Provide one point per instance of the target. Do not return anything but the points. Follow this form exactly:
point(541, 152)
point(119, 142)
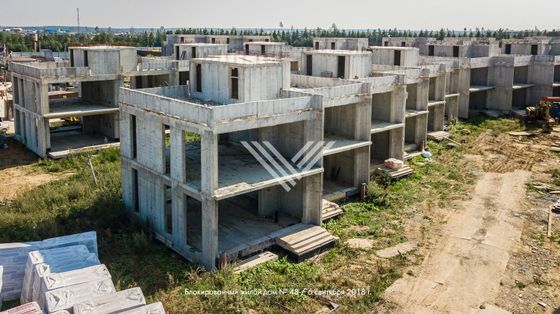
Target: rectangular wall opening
point(477, 101)
point(456, 51)
point(247, 49)
point(168, 209)
point(380, 147)
point(133, 137)
point(432, 92)
point(339, 172)
point(479, 76)
point(86, 59)
point(534, 50)
point(403, 44)
point(339, 122)
point(192, 159)
point(381, 111)
point(520, 75)
point(309, 65)
point(431, 50)
point(72, 57)
point(234, 83)
point(557, 73)
point(411, 100)
point(556, 92)
point(193, 224)
point(263, 50)
point(519, 98)
point(397, 59)
point(341, 66)
point(193, 52)
point(333, 46)
point(177, 53)
point(198, 80)
point(167, 148)
point(508, 49)
point(316, 45)
point(135, 191)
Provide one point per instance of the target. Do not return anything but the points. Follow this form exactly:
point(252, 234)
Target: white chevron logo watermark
point(287, 172)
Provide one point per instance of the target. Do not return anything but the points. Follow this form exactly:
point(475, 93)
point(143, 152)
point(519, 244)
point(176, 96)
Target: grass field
point(76, 203)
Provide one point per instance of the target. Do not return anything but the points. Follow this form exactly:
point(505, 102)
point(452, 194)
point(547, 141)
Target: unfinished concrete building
point(278, 50)
point(188, 176)
point(426, 84)
point(532, 46)
point(363, 107)
point(60, 108)
point(415, 42)
point(198, 50)
point(335, 43)
point(235, 43)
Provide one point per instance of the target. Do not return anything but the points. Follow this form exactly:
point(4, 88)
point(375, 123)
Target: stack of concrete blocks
point(154, 308)
point(335, 43)
point(112, 303)
point(28, 308)
point(13, 259)
point(60, 291)
point(43, 262)
point(231, 99)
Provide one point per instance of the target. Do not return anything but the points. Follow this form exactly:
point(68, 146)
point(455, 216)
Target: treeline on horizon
point(295, 37)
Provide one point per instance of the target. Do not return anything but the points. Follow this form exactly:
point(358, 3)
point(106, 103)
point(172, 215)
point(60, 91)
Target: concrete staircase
point(306, 241)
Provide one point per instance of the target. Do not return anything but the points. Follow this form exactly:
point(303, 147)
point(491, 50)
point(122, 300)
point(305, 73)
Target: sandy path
point(463, 270)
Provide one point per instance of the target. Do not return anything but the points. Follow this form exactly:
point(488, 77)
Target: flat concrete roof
point(266, 43)
point(391, 48)
point(201, 45)
point(337, 52)
point(240, 60)
point(103, 48)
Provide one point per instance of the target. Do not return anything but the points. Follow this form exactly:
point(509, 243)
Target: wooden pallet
point(395, 173)
point(438, 136)
point(307, 241)
point(330, 210)
point(254, 261)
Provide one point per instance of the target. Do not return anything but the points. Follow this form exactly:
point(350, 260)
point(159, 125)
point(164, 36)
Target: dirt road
point(464, 270)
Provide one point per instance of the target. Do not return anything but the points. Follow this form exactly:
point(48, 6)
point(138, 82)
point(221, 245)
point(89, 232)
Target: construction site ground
point(466, 233)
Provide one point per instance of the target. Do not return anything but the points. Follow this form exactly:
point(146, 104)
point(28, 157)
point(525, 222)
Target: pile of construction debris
point(64, 275)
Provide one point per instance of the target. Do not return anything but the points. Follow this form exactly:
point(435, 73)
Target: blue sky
point(404, 14)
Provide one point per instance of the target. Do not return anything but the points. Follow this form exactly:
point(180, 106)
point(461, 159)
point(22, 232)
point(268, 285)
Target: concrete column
point(43, 135)
point(209, 173)
point(464, 83)
point(541, 73)
point(423, 93)
point(178, 155)
point(398, 106)
point(362, 131)
point(179, 222)
point(312, 199)
point(500, 75)
point(43, 98)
